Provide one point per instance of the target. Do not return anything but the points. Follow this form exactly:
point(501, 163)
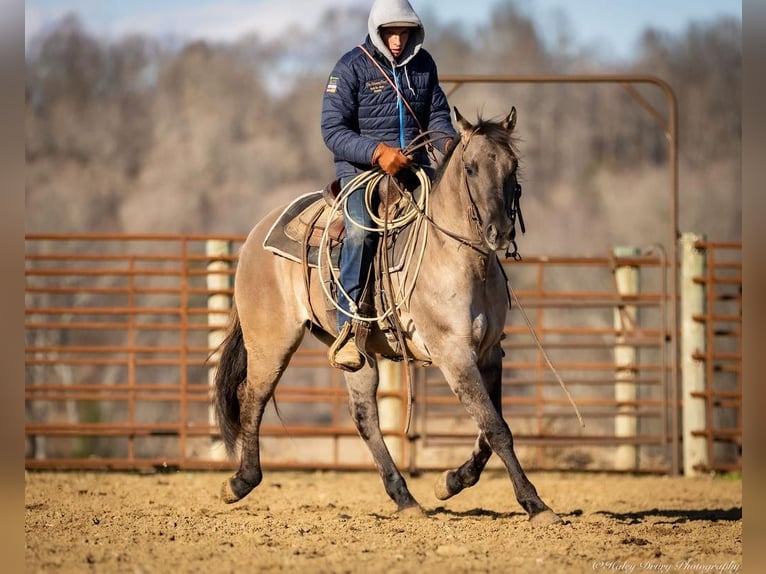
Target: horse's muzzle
point(494, 238)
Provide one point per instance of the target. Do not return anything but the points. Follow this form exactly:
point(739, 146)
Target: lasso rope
point(545, 354)
point(370, 180)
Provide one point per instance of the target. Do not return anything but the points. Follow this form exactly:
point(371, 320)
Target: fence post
point(390, 408)
point(218, 304)
point(692, 347)
point(625, 358)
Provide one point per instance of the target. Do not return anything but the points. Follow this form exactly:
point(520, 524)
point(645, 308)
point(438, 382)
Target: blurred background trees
point(158, 135)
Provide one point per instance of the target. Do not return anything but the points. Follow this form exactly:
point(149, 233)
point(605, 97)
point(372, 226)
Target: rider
point(365, 124)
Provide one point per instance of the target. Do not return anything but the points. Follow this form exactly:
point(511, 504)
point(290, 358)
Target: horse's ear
point(463, 125)
point(510, 121)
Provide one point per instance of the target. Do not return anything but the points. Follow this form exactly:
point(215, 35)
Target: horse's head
point(486, 155)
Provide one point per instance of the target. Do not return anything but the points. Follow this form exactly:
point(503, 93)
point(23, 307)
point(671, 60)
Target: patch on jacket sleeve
point(332, 85)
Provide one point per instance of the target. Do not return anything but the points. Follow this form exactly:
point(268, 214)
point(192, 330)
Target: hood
point(386, 12)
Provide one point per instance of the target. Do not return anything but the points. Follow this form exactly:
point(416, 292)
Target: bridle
point(513, 209)
point(511, 203)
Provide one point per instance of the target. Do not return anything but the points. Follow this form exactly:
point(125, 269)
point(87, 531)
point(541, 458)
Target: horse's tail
point(231, 372)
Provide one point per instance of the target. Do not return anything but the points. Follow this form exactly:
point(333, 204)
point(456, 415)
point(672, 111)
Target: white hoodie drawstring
point(407, 77)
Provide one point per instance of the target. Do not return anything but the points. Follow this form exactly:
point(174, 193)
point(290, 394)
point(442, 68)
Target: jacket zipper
point(400, 107)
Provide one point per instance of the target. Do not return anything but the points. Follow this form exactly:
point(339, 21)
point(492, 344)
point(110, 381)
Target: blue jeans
point(357, 253)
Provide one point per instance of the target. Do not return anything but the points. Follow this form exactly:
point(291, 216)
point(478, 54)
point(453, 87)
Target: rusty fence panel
point(583, 320)
point(722, 356)
point(117, 342)
point(119, 330)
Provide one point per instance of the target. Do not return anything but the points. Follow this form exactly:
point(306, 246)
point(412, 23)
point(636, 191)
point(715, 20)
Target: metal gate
point(719, 357)
point(602, 322)
point(119, 330)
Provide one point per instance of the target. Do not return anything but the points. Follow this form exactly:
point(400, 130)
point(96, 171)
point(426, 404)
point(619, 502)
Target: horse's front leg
point(452, 482)
point(466, 381)
point(362, 388)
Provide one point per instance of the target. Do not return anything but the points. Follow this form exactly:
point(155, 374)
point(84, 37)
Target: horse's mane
point(492, 130)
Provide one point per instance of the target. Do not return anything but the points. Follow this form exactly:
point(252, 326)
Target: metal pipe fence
point(583, 320)
point(119, 351)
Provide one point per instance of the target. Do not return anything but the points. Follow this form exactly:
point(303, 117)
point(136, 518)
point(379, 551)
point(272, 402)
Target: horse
point(454, 318)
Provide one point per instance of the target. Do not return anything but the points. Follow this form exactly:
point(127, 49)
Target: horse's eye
point(470, 169)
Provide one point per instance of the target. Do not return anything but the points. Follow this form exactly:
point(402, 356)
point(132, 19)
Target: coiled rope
point(414, 209)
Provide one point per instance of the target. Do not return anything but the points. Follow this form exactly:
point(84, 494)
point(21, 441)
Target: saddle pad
point(285, 238)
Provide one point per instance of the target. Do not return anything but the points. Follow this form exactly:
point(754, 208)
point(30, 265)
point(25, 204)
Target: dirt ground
point(344, 522)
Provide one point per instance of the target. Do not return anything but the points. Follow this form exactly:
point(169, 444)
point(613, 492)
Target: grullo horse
point(454, 317)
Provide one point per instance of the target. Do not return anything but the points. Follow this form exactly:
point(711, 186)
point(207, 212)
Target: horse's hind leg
point(362, 387)
point(452, 482)
point(265, 366)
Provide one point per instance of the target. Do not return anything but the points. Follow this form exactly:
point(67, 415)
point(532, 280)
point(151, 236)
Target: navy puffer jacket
point(360, 107)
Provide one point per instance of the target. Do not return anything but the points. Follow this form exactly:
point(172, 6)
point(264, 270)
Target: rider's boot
point(343, 353)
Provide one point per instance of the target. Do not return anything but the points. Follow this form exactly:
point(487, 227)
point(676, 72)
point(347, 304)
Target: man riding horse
point(379, 97)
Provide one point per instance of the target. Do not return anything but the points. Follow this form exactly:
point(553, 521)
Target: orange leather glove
point(390, 159)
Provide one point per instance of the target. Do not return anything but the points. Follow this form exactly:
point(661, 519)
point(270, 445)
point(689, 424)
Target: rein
point(474, 212)
point(477, 246)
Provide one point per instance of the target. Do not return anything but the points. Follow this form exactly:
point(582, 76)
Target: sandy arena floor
point(344, 522)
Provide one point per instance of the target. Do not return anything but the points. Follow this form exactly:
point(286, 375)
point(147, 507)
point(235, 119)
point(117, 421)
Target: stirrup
point(343, 353)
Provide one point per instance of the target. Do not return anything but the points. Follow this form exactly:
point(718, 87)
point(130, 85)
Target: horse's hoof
point(545, 518)
point(441, 487)
point(414, 511)
point(227, 493)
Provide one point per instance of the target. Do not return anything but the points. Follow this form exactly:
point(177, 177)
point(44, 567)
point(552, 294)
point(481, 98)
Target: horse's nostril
point(491, 234)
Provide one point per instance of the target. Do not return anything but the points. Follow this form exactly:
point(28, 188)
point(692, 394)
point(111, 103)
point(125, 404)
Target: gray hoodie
point(399, 11)
point(360, 109)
